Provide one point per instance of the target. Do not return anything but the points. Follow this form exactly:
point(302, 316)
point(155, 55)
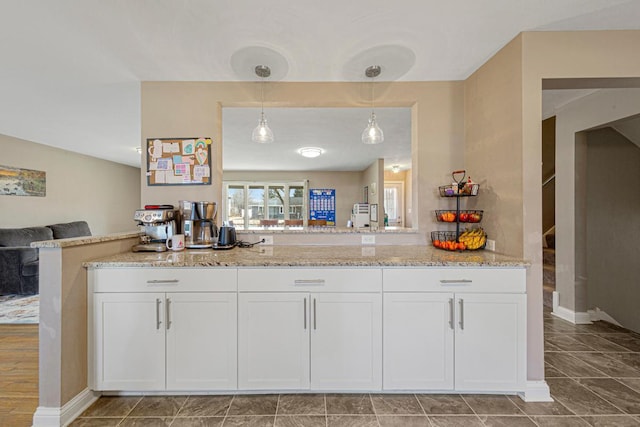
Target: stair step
point(548, 256)
point(551, 240)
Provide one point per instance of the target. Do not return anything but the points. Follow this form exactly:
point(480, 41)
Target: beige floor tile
point(394, 404)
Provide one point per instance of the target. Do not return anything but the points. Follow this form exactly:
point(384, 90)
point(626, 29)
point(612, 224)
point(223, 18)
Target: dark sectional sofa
point(19, 263)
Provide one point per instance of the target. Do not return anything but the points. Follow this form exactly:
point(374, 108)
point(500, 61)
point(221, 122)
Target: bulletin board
point(179, 161)
point(322, 205)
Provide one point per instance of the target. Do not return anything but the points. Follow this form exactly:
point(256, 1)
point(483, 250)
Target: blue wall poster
point(322, 205)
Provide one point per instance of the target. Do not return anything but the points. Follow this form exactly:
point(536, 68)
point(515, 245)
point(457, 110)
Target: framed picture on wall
point(365, 199)
point(373, 212)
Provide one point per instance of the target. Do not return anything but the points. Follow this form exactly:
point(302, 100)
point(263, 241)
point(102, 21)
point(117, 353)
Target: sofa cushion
point(24, 236)
point(70, 229)
point(30, 268)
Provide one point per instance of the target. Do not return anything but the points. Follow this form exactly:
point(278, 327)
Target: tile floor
point(593, 372)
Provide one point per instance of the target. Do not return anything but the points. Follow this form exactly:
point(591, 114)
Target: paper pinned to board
point(200, 172)
point(188, 146)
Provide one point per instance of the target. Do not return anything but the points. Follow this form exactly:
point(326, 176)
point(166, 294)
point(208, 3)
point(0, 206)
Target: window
point(267, 203)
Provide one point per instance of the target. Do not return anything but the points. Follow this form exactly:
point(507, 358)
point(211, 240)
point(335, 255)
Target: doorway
point(394, 203)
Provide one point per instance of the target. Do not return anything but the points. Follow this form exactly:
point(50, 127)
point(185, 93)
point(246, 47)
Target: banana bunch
point(473, 239)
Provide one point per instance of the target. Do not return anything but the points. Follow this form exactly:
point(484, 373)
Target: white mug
point(177, 242)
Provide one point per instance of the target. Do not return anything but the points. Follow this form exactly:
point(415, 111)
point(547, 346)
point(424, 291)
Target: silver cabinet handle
point(305, 313)
point(158, 321)
point(461, 313)
point(308, 282)
point(454, 281)
point(315, 316)
point(162, 282)
point(451, 318)
point(168, 319)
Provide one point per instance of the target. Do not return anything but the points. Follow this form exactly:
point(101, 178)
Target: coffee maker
point(199, 224)
point(158, 222)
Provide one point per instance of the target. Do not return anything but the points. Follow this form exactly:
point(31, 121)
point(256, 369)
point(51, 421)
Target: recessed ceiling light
point(310, 151)
point(395, 168)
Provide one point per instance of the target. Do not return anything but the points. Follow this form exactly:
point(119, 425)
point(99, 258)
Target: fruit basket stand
point(469, 239)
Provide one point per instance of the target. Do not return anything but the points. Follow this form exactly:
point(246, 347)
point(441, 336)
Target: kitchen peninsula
point(307, 318)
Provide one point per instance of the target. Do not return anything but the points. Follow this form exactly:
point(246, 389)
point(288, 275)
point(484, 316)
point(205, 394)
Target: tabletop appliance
point(360, 215)
point(199, 224)
point(158, 223)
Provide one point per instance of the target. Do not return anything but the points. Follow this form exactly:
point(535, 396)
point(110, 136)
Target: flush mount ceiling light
point(310, 152)
point(262, 134)
point(372, 133)
point(395, 168)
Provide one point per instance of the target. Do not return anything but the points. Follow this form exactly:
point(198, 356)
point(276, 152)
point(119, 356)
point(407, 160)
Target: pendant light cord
point(372, 96)
point(262, 98)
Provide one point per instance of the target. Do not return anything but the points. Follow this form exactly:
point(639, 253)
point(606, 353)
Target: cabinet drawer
point(164, 279)
point(310, 279)
point(502, 280)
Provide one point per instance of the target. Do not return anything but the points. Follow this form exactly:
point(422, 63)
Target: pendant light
point(372, 133)
point(262, 134)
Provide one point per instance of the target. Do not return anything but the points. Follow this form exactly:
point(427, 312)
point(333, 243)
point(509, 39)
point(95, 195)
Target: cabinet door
point(201, 341)
point(273, 341)
point(418, 341)
point(129, 335)
point(346, 341)
point(490, 342)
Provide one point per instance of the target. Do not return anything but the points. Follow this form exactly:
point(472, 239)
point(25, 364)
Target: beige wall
point(179, 109)
point(612, 225)
point(503, 115)
point(346, 184)
point(79, 187)
point(493, 146)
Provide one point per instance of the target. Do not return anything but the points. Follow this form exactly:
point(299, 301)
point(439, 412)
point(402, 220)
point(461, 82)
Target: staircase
point(549, 270)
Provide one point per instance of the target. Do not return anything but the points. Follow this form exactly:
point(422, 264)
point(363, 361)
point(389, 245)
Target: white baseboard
point(537, 391)
point(57, 417)
point(597, 314)
point(575, 317)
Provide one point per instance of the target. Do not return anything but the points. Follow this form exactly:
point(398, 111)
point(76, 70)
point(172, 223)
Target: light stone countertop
point(86, 240)
point(310, 256)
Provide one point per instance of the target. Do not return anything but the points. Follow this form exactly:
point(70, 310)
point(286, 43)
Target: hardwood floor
point(18, 374)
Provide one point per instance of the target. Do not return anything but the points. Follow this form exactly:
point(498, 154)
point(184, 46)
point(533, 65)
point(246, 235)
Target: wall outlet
point(491, 245)
point(368, 240)
point(268, 240)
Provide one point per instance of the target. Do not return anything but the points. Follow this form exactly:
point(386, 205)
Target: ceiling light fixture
point(262, 134)
point(310, 152)
point(395, 168)
point(372, 133)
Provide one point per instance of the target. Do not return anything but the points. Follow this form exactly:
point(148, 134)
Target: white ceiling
point(71, 69)
point(335, 130)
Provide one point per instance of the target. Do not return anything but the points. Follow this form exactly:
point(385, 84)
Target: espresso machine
point(199, 224)
point(158, 223)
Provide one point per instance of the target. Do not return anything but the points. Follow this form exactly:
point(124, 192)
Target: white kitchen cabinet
point(143, 339)
point(201, 341)
point(129, 341)
point(346, 341)
point(458, 340)
point(418, 341)
point(490, 344)
point(300, 334)
point(273, 341)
